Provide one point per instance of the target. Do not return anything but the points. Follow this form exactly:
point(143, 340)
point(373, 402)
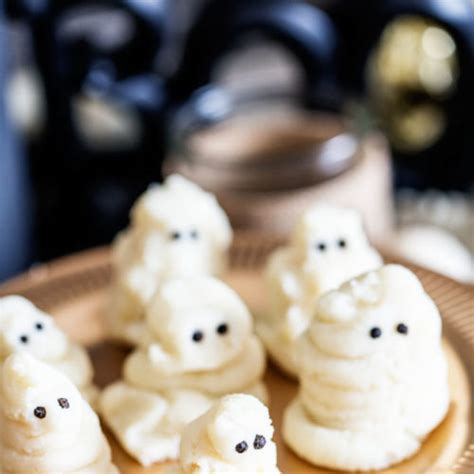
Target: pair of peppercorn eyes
point(177, 235)
point(377, 332)
point(222, 329)
point(322, 246)
point(40, 412)
point(258, 443)
point(24, 339)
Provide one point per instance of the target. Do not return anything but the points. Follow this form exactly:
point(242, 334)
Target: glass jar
point(267, 160)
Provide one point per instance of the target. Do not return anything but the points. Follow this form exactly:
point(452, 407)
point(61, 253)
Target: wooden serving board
point(74, 291)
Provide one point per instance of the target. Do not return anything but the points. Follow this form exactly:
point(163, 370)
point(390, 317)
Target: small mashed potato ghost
point(176, 229)
point(23, 327)
point(46, 426)
point(328, 247)
point(235, 435)
point(200, 346)
point(373, 374)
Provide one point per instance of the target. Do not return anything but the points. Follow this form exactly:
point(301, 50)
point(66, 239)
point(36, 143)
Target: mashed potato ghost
point(200, 347)
point(46, 426)
point(372, 372)
point(235, 435)
point(177, 229)
point(23, 327)
point(328, 247)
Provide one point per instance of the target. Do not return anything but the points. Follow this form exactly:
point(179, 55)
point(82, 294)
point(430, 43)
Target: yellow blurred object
point(412, 71)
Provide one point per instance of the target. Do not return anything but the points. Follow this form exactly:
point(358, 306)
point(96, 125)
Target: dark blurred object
point(117, 75)
point(97, 63)
point(306, 31)
point(413, 70)
point(334, 46)
point(414, 75)
point(447, 162)
point(15, 199)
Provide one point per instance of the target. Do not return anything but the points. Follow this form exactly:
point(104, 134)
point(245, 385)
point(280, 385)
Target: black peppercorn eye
point(402, 328)
point(241, 447)
point(39, 326)
point(222, 329)
point(24, 339)
point(259, 442)
point(194, 234)
point(342, 243)
point(375, 333)
point(198, 336)
point(40, 412)
point(321, 246)
point(63, 402)
point(175, 235)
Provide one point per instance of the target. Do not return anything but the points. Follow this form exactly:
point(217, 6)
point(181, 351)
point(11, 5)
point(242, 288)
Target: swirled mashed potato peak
point(235, 435)
point(200, 346)
point(177, 230)
point(46, 425)
point(328, 247)
point(373, 374)
point(23, 327)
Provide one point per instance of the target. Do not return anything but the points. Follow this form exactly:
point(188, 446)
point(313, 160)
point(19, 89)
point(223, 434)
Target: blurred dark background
point(94, 94)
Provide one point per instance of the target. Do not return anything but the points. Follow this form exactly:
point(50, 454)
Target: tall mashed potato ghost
point(373, 375)
point(328, 247)
point(200, 347)
point(235, 435)
point(177, 229)
point(23, 327)
point(46, 426)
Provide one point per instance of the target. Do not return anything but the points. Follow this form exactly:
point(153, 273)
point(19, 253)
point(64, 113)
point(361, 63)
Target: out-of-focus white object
point(25, 100)
point(434, 248)
point(104, 124)
point(452, 211)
